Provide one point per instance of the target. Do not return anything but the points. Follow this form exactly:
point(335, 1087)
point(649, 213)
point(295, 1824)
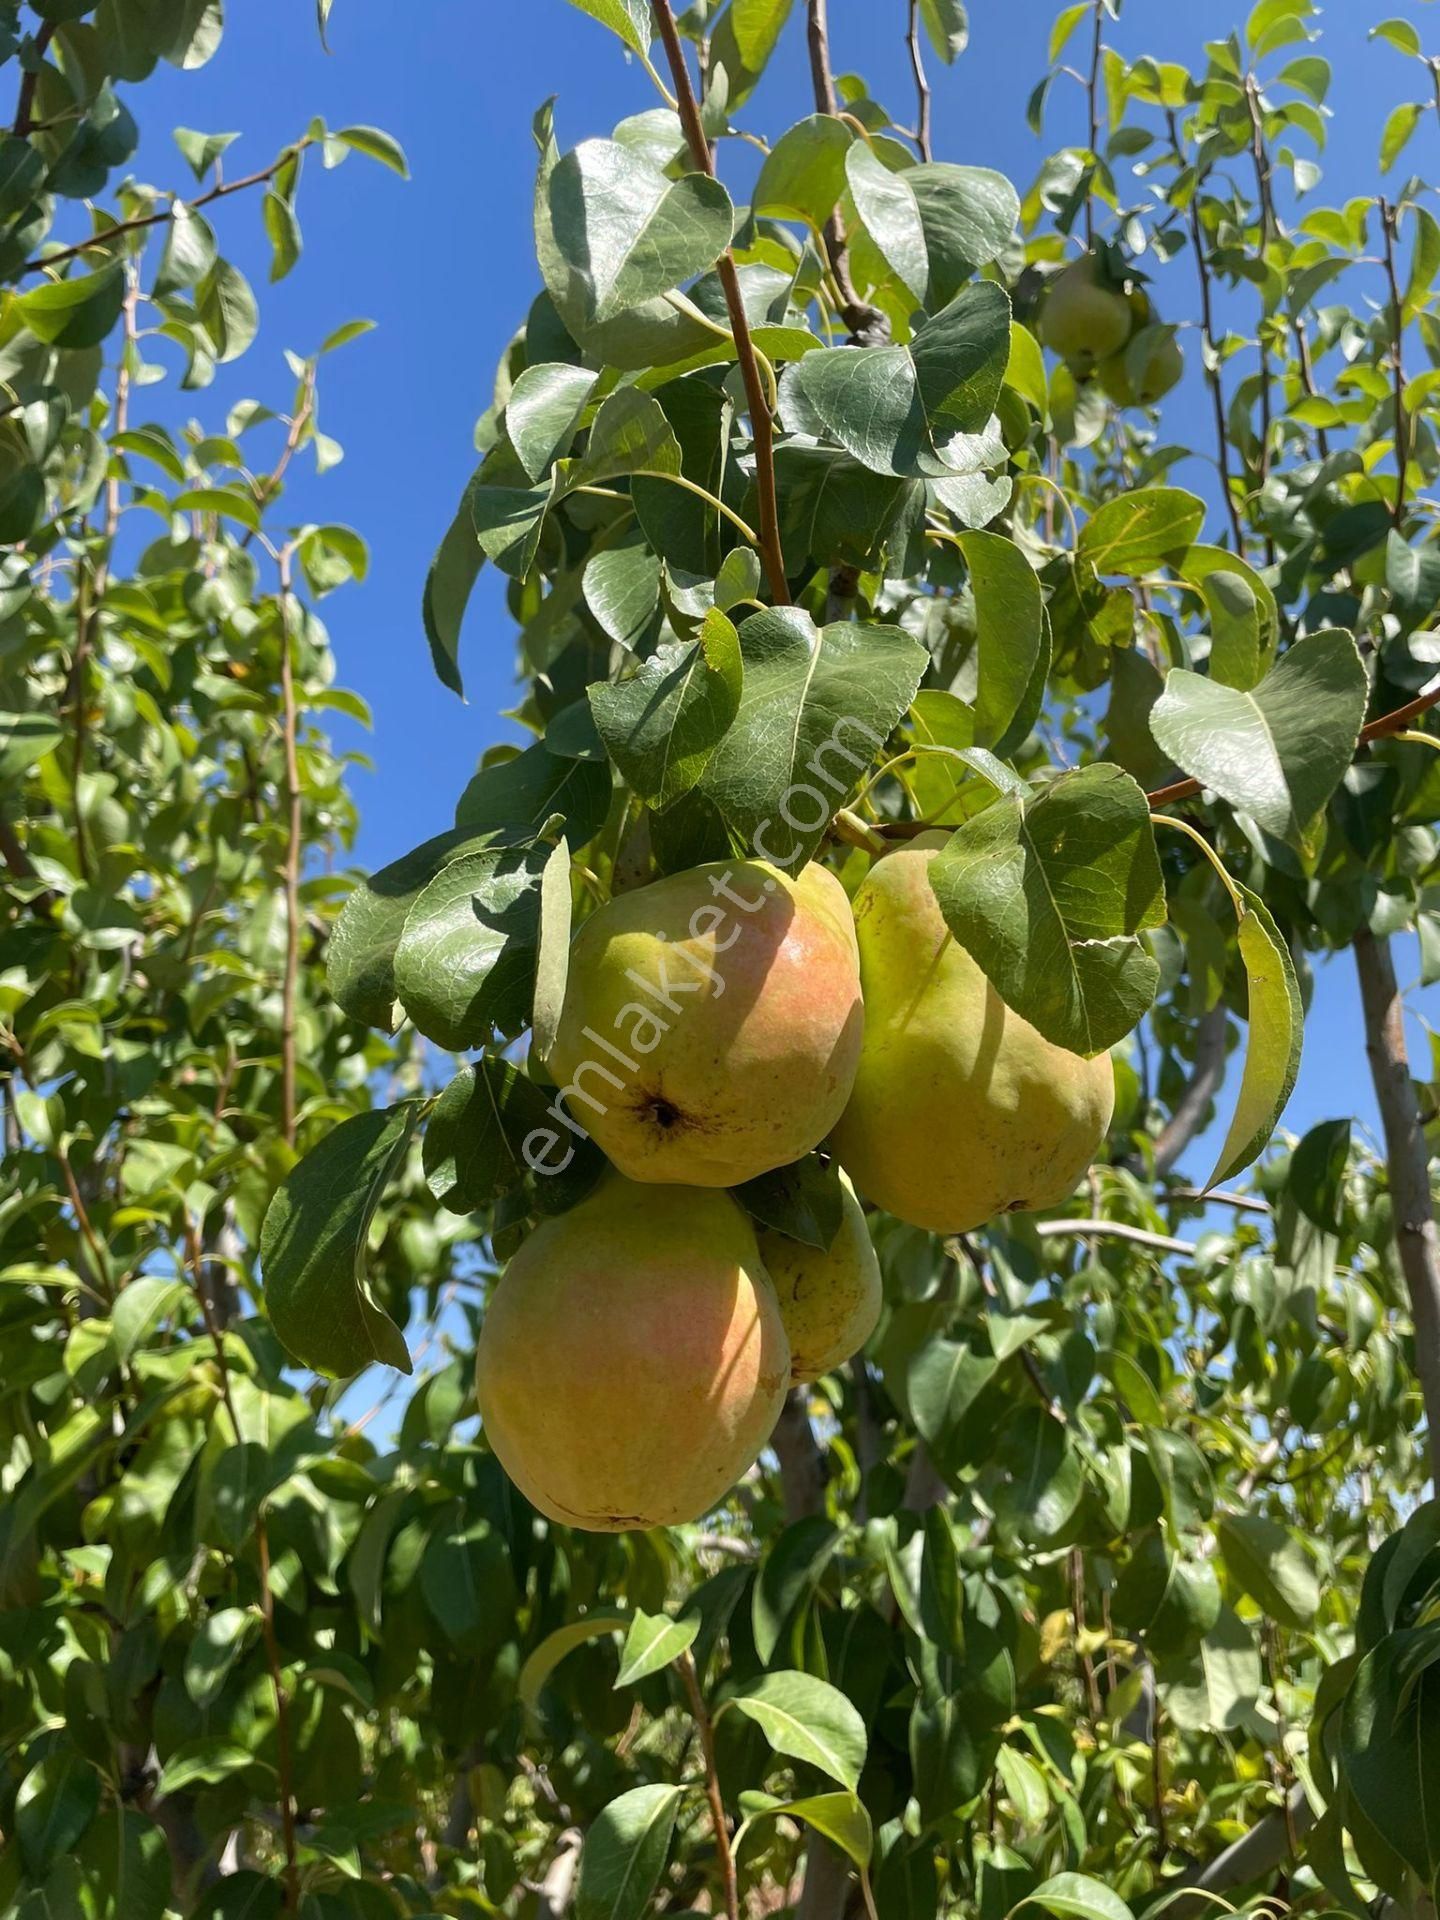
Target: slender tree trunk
point(802, 1466)
point(1193, 1105)
point(1409, 1163)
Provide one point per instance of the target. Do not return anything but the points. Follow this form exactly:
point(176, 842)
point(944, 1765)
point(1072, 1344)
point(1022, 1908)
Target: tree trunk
point(1409, 1164)
point(1194, 1104)
point(802, 1465)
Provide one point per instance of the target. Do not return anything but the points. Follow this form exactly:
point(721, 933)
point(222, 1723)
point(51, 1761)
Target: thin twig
point(922, 84)
point(1112, 1230)
point(292, 860)
point(857, 315)
point(700, 1713)
point(1208, 350)
point(761, 424)
point(1307, 379)
point(1092, 95)
point(43, 262)
point(1389, 218)
point(196, 1250)
point(25, 103)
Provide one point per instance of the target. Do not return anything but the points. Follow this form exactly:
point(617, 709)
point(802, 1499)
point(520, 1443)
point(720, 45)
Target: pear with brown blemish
point(961, 1110)
point(712, 1022)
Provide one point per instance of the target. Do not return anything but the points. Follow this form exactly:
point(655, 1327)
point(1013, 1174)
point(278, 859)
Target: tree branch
point(43, 262)
point(1408, 1159)
point(273, 1661)
point(802, 1466)
point(293, 843)
point(25, 102)
point(1112, 1230)
point(1250, 1857)
point(1389, 220)
point(922, 84)
point(701, 1715)
point(1208, 349)
point(761, 424)
point(859, 317)
point(1092, 96)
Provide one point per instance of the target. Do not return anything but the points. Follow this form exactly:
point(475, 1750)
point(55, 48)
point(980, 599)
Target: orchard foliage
point(1103, 1573)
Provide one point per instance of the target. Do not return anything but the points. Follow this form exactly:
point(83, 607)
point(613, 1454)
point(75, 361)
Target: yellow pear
point(632, 1359)
point(711, 1025)
point(961, 1110)
point(829, 1300)
point(1084, 318)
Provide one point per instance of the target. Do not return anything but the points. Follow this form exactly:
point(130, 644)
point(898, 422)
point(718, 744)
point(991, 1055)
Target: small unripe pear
point(830, 1299)
point(1161, 364)
point(1084, 318)
point(632, 1360)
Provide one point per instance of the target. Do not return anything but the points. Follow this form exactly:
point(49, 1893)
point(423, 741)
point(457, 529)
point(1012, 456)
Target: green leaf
point(226, 309)
point(654, 1640)
point(543, 411)
point(1010, 631)
point(1079, 1898)
point(629, 18)
point(804, 1201)
point(465, 961)
point(219, 1641)
point(552, 958)
point(202, 1762)
point(890, 216)
point(1215, 1689)
point(662, 725)
point(1199, 565)
point(1049, 893)
point(1272, 1055)
point(1400, 33)
point(24, 739)
point(474, 1147)
point(1065, 24)
point(518, 795)
point(448, 586)
point(189, 251)
point(1400, 124)
point(1389, 1754)
point(78, 312)
point(624, 233)
point(1278, 750)
point(625, 1852)
point(757, 25)
point(622, 590)
point(788, 1577)
point(808, 1720)
point(1269, 1563)
point(1024, 1787)
point(375, 145)
point(1317, 1173)
point(841, 1817)
point(817, 706)
point(910, 410)
point(803, 175)
point(1137, 531)
point(1412, 575)
point(631, 435)
point(1045, 1481)
point(948, 27)
point(282, 229)
point(945, 1380)
point(360, 958)
point(968, 215)
point(313, 1247)
point(202, 150)
point(54, 1804)
point(542, 1662)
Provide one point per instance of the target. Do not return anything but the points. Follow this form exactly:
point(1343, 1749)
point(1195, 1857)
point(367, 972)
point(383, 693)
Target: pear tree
point(905, 1482)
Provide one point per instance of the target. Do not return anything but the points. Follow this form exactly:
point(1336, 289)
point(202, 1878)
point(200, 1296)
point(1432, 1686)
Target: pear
point(830, 1301)
point(1161, 363)
point(1084, 318)
point(712, 1023)
point(632, 1360)
point(961, 1110)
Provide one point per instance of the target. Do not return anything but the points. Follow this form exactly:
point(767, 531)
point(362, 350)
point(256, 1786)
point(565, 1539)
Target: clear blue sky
point(444, 266)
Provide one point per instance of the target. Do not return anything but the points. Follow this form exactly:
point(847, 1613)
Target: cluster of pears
point(719, 1024)
point(1107, 329)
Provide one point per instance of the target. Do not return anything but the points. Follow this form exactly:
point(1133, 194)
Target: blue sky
point(444, 266)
